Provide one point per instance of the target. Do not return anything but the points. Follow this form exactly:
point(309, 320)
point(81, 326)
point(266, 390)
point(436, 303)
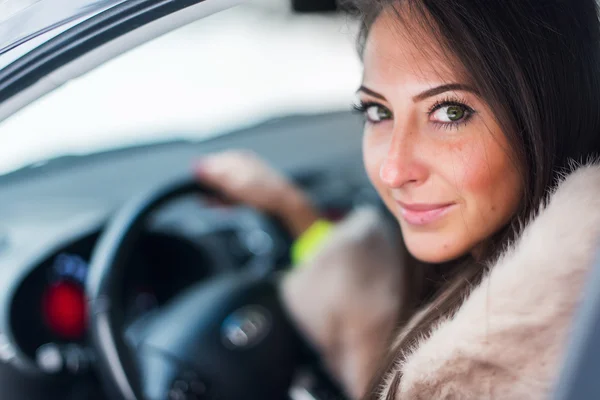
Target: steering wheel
point(225, 338)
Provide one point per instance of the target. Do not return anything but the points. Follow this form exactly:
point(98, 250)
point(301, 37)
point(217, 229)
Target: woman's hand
point(244, 178)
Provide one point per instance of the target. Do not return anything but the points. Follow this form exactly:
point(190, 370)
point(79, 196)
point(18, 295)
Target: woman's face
point(432, 147)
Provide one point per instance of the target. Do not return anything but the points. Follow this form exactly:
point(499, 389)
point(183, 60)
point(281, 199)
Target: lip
point(422, 214)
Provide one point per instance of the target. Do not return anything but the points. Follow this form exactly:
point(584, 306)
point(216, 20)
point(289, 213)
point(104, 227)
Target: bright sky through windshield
point(239, 67)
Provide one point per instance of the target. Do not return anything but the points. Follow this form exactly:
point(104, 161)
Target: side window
point(233, 69)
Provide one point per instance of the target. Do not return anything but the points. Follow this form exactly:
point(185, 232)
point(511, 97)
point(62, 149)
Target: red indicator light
point(65, 310)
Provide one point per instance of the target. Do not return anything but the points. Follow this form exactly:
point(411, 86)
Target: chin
point(433, 248)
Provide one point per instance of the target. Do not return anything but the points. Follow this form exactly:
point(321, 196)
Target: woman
point(482, 124)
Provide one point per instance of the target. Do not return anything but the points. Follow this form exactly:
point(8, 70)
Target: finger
point(211, 180)
point(209, 170)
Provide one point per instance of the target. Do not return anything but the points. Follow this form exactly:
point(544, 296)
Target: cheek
point(486, 178)
point(375, 148)
point(471, 172)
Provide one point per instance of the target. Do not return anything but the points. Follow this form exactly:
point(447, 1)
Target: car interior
point(106, 241)
point(265, 76)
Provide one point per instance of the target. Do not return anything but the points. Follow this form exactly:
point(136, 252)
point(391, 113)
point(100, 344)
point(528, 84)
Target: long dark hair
point(536, 63)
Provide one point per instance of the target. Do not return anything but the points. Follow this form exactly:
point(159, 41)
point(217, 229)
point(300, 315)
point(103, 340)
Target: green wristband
point(310, 241)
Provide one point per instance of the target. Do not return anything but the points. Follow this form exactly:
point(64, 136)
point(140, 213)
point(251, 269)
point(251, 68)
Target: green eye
point(455, 113)
point(451, 114)
point(377, 113)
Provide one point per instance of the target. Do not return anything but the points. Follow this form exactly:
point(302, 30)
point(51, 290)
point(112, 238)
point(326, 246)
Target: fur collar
point(507, 339)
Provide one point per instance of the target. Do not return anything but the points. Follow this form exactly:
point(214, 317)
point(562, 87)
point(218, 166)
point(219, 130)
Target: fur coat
point(507, 339)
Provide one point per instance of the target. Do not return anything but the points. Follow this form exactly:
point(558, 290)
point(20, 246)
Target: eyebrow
point(427, 93)
point(370, 92)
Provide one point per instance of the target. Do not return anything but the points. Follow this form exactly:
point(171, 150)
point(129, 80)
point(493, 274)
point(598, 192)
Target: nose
point(402, 164)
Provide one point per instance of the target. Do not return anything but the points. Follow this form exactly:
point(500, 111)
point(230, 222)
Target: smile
point(423, 214)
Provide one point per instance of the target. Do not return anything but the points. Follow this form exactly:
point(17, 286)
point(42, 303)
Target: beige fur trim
point(346, 299)
point(507, 340)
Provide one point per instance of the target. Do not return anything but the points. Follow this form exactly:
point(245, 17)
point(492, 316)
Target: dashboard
point(48, 313)
point(51, 217)
point(49, 307)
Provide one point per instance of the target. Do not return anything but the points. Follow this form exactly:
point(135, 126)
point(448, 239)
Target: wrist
point(298, 214)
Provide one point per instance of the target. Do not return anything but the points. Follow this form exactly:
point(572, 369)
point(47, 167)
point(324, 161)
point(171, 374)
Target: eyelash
point(449, 102)
point(363, 106)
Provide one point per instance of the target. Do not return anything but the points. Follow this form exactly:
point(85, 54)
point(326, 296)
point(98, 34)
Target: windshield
point(21, 20)
point(234, 69)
